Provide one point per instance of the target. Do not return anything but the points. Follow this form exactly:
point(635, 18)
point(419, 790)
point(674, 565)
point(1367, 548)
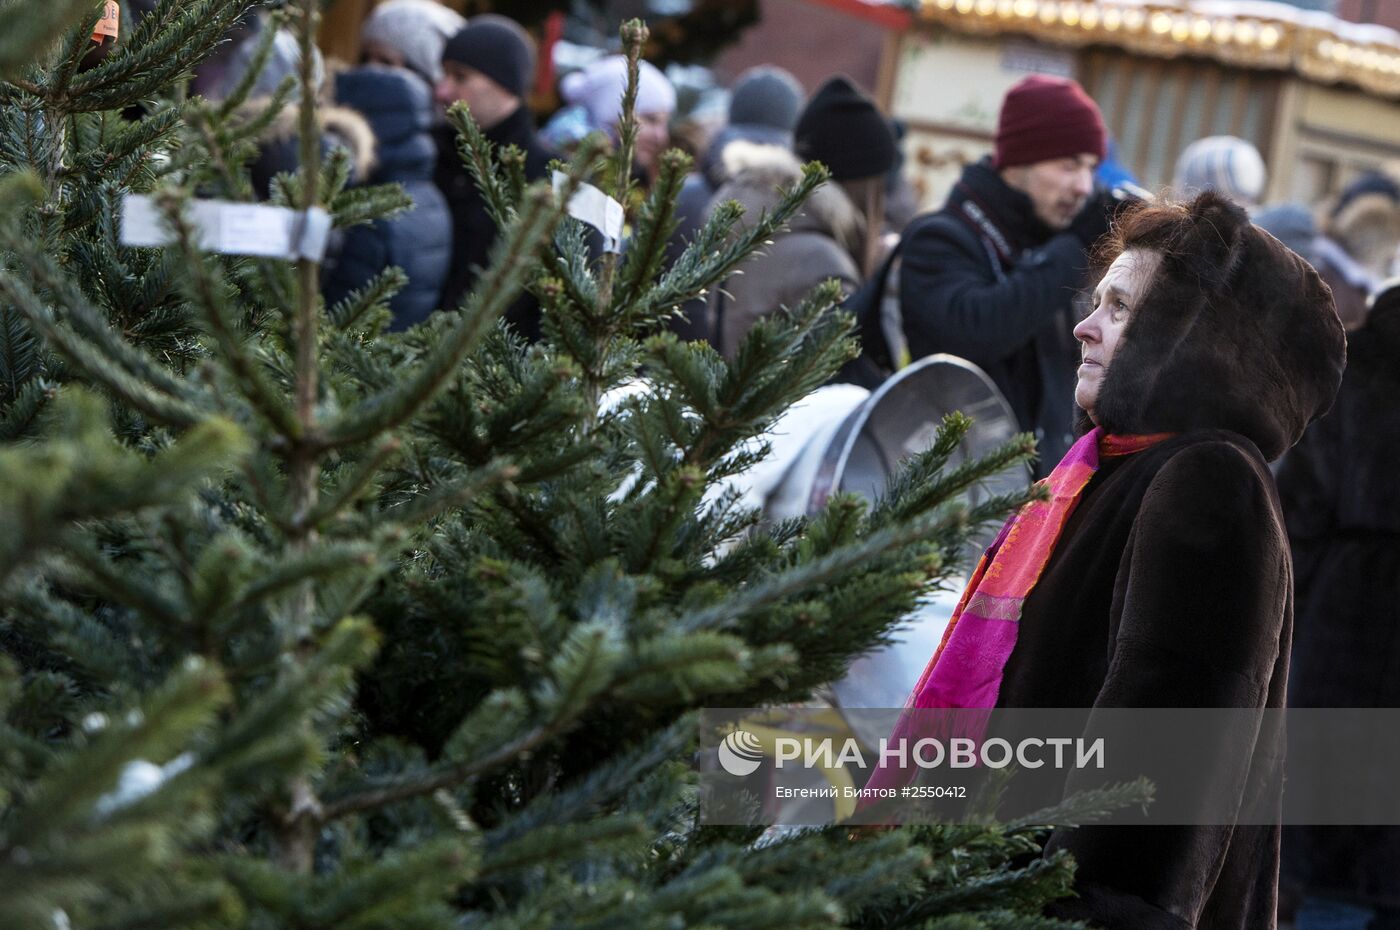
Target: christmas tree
point(311, 625)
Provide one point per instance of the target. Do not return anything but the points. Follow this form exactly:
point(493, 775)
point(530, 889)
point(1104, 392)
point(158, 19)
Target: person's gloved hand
point(1093, 219)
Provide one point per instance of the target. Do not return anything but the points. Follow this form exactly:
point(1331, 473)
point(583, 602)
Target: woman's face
point(374, 52)
point(653, 135)
point(1115, 300)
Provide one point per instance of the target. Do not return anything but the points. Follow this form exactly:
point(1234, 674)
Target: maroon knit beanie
point(1044, 118)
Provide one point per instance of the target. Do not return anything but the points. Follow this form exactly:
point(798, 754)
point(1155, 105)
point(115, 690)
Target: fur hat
point(1372, 182)
point(1366, 223)
point(1234, 332)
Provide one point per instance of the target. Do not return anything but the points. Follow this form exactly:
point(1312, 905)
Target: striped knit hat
point(1225, 164)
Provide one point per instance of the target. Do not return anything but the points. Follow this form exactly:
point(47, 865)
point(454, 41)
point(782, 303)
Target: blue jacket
point(399, 108)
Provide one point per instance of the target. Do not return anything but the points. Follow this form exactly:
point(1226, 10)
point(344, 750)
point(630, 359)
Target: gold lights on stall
point(1167, 29)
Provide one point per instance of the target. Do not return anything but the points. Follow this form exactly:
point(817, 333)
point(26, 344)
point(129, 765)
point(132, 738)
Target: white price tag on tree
point(590, 205)
point(231, 228)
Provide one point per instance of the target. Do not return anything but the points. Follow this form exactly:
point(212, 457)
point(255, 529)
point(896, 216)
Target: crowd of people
point(1170, 351)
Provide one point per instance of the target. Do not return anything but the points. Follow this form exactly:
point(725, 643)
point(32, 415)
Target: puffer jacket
point(399, 108)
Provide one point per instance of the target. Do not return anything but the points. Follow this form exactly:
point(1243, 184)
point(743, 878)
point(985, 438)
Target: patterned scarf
point(966, 669)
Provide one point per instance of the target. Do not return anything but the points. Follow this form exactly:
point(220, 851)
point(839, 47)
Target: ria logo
point(741, 753)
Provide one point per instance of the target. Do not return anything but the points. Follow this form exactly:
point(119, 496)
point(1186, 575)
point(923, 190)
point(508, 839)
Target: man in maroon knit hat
point(991, 276)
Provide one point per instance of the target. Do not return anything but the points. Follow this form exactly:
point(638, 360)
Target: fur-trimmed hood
point(756, 172)
point(1235, 332)
point(712, 164)
point(820, 243)
point(1368, 227)
point(339, 125)
point(279, 150)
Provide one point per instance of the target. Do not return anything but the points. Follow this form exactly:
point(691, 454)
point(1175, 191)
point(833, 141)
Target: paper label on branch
point(110, 22)
point(597, 209)
point(231, 228)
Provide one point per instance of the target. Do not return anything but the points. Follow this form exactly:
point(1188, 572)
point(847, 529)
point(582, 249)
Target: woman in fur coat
point(1158, 573)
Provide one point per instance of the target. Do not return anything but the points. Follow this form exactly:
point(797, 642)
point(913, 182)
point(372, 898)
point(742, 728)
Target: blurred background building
point(1314, 84)
point(1315, 93)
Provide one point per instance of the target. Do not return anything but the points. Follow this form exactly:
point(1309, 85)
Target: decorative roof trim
point(1243, 33)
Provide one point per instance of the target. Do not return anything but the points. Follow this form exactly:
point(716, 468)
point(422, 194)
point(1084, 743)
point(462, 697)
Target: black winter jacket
point(984, 279)
point(399, 108)
point(473, 230)
point(1342, 502)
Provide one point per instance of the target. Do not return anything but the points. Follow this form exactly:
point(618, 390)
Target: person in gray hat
point(763, 107)
point(828, 238)
point(488, 65)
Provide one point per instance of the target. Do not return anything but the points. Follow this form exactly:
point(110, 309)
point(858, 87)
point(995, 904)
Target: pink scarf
point(966, 669)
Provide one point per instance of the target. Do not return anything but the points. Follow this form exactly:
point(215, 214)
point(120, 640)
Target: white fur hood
point(755, 173)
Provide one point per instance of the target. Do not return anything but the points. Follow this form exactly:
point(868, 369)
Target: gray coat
point(819, 244)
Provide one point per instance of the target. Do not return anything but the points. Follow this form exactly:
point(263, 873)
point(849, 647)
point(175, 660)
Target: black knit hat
point(497, 50)
point(843, 129)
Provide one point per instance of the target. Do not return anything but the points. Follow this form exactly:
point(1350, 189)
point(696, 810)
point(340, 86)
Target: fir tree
point(310, 625)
